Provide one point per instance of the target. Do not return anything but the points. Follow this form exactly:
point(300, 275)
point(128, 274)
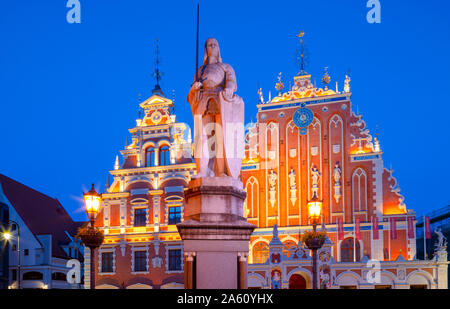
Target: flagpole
point(424, 240)
point(354, 237)
point(390, 233)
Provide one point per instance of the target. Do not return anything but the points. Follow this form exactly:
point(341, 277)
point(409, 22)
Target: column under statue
point(215, 233)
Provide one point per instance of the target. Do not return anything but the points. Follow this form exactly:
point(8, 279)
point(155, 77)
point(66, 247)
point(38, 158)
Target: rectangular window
point(140, 217)
point(175, 259)
point(140, 261)
point(107, 262)
point(174, 215)
point(26, 252)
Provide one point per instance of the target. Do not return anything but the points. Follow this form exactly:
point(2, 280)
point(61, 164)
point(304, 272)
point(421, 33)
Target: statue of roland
point(218, 117)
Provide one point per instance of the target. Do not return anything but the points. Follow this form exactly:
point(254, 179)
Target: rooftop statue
point(218, 117)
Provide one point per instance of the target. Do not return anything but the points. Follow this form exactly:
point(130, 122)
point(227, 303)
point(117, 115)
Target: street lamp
point(314, 240)
point(8, 236)
point(92, 202)
point(314, 209)
point(91, 236)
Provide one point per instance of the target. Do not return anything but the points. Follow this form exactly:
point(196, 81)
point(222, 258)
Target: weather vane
point(157, 73)
point(300, 35)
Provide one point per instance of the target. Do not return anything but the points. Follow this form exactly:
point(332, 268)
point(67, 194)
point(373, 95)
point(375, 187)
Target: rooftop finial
point(139, 106)
point(173, 101)
point(326, 78)
point(300, 35)
point(157, 73)
point(279, 86)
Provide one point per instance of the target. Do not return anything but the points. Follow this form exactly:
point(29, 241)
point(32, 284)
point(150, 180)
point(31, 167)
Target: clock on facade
point(303, 117)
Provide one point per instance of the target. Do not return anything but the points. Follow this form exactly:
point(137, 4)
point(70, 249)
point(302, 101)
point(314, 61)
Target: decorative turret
point(275, 247)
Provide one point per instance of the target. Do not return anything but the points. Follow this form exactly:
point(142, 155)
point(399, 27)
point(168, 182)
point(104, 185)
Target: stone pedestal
point(215, 234)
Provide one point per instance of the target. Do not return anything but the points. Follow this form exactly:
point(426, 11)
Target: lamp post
point(91, 236)
point(8, 236)
point(315, 241)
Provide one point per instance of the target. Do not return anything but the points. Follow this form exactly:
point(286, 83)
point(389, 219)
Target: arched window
point(347, 250)
point(150, 157)
point(32, 275)
point(260, 253)
point(164, 155)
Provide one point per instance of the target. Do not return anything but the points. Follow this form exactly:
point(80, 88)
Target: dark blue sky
point(68, 92)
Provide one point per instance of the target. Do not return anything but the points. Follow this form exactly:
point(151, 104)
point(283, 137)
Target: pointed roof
point(275, 240)
point(42, 214)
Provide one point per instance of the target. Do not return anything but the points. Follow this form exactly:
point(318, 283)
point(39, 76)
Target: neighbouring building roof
point(42, 214)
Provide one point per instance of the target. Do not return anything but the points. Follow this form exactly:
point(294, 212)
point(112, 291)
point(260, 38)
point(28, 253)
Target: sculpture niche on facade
point(218, 117)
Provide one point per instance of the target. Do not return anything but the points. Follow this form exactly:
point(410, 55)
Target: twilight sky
point(69, 92)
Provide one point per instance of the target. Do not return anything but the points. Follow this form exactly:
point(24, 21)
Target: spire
point(157, 73)
point(173, 101)
point(139, 106)
point(376, 147)
point(275, 240)
point(302, 54)
point(116, 165)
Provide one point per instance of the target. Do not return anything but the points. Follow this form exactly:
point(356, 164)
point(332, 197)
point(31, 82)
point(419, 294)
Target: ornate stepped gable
point(145, 201)
point(312, 141)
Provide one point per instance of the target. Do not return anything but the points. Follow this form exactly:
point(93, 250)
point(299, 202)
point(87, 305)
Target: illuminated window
point(383, 287)
point(418, 286)
point(174, 215)
point(175, 259)
point(107, 262)
point(150, 157)
point(140, 217)
point(347, 250)
point(140, 261)
point(164, 155)
point(260, 253)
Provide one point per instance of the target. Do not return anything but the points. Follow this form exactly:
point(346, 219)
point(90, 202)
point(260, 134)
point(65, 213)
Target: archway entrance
point(297, 281)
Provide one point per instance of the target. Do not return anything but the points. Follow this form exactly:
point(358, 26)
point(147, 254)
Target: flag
point(357, 228)
point(393, 224)
point(410, 227)
point(375, 227)
point(427, 227)
point(340, 229)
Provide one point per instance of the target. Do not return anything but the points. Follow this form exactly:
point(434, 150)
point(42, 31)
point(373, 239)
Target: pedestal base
point(215, 234)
